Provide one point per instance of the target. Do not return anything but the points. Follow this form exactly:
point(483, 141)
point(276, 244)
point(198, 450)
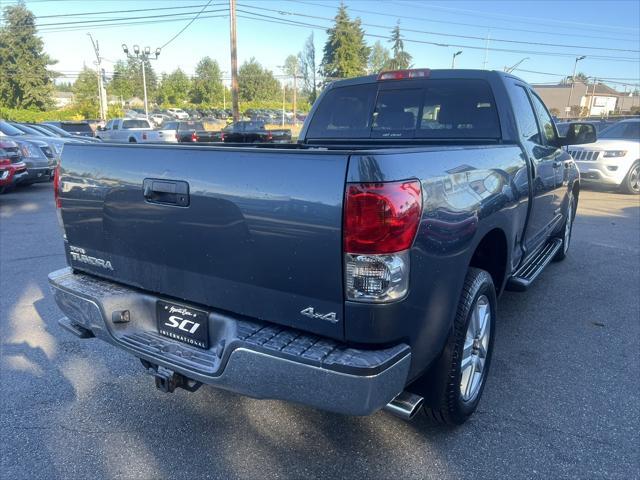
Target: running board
point(528, 273)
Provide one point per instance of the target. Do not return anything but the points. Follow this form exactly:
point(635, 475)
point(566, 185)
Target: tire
point(631, 183)
point(132, 140)
point(452, 389)
point(566, 231)
point(2, 190)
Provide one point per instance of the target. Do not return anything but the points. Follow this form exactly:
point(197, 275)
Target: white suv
point(614, 159)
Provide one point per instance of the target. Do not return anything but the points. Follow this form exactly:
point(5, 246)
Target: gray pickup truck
point(355, 270)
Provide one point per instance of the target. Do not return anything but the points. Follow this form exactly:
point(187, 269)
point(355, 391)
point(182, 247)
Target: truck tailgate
point(256, 232)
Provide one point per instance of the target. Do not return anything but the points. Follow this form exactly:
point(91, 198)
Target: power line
point(78, 14)
point(263, 17)
point(186, 26)
point(281, 12)
point(484, 27)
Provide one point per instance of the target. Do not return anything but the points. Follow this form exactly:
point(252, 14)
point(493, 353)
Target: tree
point(401, 59)
point(580, 77)
point(378, 58)
point(345, 52)
point(25, 81)
point(174, 88)
point(207, 85)
point(85, 93)
point(307, 60)
point(127, 79)
point(256, 82)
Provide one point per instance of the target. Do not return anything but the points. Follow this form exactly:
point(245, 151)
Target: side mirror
point(579, 134)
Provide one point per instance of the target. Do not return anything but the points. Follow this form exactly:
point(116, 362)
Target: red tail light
point(177, 136)
point(381, 218)
point(222, 137)
point(269, 136)
point(56, 187)
point(5, 161)
point(194, 137)
point(144, 136)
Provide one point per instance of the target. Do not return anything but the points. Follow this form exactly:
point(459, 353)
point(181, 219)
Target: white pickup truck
point(133, 130)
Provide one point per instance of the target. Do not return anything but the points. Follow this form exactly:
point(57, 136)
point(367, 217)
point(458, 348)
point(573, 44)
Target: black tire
point(630, 184)
point(133, 140)
point(444, 399)
point(565, 234)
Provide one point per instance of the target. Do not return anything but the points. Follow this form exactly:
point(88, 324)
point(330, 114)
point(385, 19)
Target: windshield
point(76, 127)
point(28, 130)
point(429, 109)
point(9, 129)
point(42, 131)
point(58, 130)
point(128, 124)
point(623, 131)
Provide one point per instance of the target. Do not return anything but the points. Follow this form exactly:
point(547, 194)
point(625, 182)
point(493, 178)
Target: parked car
point(12, 168)
point(614, 159)
point(191, 132)
point(159, 119)
point(254, 132)
point(82, 129)
point(56, 144)
point(599, 125)
point(308, 272)
point(57, 131)
point(132, 130)
point(34, 148)
point(178, 113)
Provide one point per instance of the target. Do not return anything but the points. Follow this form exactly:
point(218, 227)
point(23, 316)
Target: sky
point(548, 34)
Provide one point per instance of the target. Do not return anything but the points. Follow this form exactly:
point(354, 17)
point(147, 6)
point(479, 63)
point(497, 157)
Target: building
point(593, 99)
point(62, 99)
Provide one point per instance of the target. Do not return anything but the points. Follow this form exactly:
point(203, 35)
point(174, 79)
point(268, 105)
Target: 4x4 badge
point(311, 313)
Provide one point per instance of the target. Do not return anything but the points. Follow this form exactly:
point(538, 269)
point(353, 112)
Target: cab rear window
point(434, 109)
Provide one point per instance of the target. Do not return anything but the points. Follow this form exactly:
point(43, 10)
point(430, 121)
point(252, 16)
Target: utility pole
point(284, 98)
point(486, 51)
point(101, 93)
point(573, 81)
point(234, 61)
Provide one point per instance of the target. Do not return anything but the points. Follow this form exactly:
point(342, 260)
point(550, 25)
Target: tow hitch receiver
point(167, 380)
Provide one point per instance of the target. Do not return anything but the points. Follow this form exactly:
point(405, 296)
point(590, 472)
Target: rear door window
point(134, 123)
point(427, 109)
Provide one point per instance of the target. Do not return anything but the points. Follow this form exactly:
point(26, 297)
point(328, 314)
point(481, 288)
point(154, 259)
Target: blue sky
point(582, 27)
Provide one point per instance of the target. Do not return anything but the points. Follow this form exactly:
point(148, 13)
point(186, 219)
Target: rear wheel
point(132, 140)
point(456, 381)
point(631, 183)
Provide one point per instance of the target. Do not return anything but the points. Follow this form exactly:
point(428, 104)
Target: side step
point(74, 328)
point(527, 273)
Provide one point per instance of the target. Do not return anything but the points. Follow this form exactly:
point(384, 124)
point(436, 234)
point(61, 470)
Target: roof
point(600, 88)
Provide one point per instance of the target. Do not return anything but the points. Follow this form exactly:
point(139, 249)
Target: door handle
point(557, 163)
point(166, 192)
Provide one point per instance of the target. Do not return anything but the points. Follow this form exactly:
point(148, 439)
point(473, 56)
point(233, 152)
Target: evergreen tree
point(345, 52)
point(256, 82)
point(25, 81)
point(85, 93)
point(401, 59)
point(174, 88)
point(207, 85)
point(378, 59)
point(127, 79)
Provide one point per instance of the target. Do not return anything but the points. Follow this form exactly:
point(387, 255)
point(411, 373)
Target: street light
point(513, 67)
point(573, 81)
point(142, 58)
point(453, 60)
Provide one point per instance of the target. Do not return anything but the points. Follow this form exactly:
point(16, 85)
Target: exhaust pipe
point(405, 405)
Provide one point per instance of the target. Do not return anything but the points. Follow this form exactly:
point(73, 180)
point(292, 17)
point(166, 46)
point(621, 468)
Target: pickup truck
point(132, 130)
point(254, 132)
point(356, 270)
point(192, 131)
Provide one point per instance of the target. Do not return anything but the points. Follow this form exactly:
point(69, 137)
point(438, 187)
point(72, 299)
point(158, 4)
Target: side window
point(115, 125)
point(525, 116)
point(546, 122)
point(108, 125)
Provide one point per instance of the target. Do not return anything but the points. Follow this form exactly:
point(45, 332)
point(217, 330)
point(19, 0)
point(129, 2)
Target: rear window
point(135, 123)
point(191, 126)
point(434, 109)
point(76, 127)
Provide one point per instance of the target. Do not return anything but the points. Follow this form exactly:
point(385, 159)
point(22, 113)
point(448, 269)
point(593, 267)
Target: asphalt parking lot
point(562, 399)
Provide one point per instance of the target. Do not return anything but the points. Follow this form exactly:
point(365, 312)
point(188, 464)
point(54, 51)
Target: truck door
point(542, 170)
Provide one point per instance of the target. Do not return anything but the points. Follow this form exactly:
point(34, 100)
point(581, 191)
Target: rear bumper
point(248, 357)
point(35, 175)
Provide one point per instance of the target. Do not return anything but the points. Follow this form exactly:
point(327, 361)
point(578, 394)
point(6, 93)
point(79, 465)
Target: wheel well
point(491, 256)
point(576, 190)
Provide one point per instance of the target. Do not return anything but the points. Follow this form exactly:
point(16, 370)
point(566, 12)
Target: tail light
point(222, 137)
point(144, 136)
point(405, 74)
point(269, 136)
point(177, 136)
point(194, 137)
point(57, 200)
point(5, 162)
point(380, 225)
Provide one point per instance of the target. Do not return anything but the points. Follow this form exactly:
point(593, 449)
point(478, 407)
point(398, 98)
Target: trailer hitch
point(167, 380)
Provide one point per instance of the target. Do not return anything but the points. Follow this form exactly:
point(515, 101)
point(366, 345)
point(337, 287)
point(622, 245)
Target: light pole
point(513, 67)
point(453, 59)
point(101, 92)
point(573, 81)
point(142, 57)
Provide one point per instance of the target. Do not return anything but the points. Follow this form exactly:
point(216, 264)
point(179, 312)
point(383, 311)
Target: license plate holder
point(183, 323)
